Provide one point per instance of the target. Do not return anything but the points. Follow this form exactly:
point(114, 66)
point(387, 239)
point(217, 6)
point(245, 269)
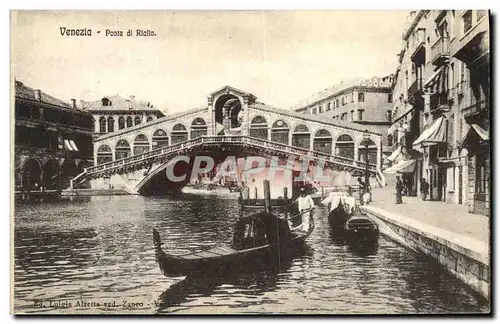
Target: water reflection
point(101, 249)
point(249, 279)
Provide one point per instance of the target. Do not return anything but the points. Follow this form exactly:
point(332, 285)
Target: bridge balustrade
point(230, 139)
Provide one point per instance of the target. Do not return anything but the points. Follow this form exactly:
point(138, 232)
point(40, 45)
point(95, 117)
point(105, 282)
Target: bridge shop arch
point(122, 149)
point(31, 174)
point(159, 139)
point(280, 132)
point(198, 128)
point(322, 141)
point(301, 137)
point(179, 134)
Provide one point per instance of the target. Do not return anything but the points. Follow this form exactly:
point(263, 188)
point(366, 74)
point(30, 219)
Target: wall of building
point(423, 42)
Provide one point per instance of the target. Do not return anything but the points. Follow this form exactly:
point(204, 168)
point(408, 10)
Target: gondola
point(338, 217)
point(361, 229)
point(258, 239)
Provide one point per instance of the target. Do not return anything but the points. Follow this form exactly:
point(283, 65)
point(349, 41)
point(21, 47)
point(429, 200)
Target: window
point(389, 140)
point(451, 129)
point(467, 21)
point(337, 103)
point(320, 109)
point(352, 96)
point(389, 116)
point(360, 114)
point(344, 116)
point(480, 173)
point(361, 97)
point(314, 111)
point(481, 14)
point(352, 114)
point(389, 97)
point(329, 106)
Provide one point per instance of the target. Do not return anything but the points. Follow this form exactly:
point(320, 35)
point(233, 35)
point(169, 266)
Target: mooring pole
point(285, 193)
point(267, 196)
point(255, 191)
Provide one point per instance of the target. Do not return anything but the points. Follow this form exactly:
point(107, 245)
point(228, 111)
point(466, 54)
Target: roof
point(375, 82)
point(315, 118)
point(24, 92)
point(118, 103)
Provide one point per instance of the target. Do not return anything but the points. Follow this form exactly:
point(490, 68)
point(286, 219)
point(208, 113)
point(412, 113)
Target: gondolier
point(305, 206)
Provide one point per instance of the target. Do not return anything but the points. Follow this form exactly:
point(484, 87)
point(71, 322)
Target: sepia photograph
point(291, 162)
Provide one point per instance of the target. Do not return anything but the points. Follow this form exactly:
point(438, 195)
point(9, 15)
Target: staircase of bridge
point(164, 154)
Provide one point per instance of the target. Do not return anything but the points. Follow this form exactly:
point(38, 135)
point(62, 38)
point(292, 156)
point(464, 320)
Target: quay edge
point(464, 257)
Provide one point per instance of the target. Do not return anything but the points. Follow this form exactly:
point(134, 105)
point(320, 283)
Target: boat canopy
point(260, 229)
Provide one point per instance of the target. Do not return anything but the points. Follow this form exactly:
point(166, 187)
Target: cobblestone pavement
point(452, 217)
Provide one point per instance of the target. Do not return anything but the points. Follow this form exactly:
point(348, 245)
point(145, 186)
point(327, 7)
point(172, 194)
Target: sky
point(282, 57)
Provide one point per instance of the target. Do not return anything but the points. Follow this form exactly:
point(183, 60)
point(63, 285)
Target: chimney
point(73, 103)
point(38, 95)
point(129, 104)
point(82, 104)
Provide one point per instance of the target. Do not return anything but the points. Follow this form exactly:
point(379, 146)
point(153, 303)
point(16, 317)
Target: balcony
point(476, 108)
point(414, 90)
point(440, 51)
point(440, 102)
point(474, 39)
point(416, 47)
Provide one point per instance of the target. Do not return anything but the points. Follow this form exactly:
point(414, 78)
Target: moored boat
point(361, 229)
point(257, 239)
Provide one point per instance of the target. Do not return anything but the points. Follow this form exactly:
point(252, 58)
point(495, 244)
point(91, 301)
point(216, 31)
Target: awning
point(407, 166)
point(73, 145)
point(67, 145)
point(394, 154)
point(475, 130)
point(437, 81)
point(432, 135)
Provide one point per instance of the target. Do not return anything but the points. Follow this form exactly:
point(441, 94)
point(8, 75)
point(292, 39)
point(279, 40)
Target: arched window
point(301, 137)
point(50, 173)
point(344, 146)
point(104, 154)
point(130, 122)
point(371, 150)
point(280, 132)
point(106, 102)
point(150, 118)
point(31, 175)
point(121, 122)
point(322, 141)
point(179, 134)
point(137, 120)
point(141, 144)
point(258, 128)
point(160, 139)
point(111, 124)
point(389, 140)
point(102, 125)
point(198, 128)
point(122, 149)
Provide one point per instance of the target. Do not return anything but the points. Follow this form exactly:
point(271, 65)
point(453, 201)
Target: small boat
point(258, 239)
point(338, 217)
point(361, 229)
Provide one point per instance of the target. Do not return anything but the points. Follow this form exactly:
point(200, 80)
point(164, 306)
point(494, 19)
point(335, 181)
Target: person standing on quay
point(399, 190)
point(424, 189)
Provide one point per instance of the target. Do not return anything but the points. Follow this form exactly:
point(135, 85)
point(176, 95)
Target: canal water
point(96, 255)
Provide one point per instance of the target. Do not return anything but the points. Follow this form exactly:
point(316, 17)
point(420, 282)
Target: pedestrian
point(363, 189)
point(305, 206)
point(424, 189)
point(399, 190)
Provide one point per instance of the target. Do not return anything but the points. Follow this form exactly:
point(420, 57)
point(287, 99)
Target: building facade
point(441, 106)
point(365, 103)
point(53, 140)
point(114, 113)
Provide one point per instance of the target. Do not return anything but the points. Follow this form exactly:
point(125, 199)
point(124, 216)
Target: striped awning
point(394, 154)
point(432, 135)
point(70, 145)
point(474, 134)
point(437, 83)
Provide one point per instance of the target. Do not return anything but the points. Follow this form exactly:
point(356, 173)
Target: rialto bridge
point(233, 123)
